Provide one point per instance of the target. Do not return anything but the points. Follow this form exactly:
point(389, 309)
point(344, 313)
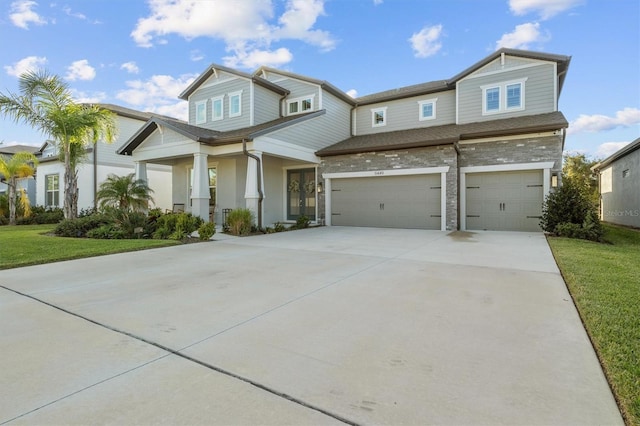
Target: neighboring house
point(28, 184)
point(477, 151)
point(100, 161)
point(619, 183)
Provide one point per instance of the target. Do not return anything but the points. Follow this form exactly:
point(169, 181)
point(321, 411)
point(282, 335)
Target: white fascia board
point(391, 172)
point(160, 152)
point(280, 148)
point(507, 167)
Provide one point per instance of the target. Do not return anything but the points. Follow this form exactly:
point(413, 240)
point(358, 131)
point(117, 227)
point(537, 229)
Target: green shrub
point(568, 212)
point(3, 221)
point(131, 224)
point(302, 222)
point(41, 215)
point(106, 232)
point(240, 221)
point(206, 231)
point(176, 226)
point(279, 227)
point(78, 228)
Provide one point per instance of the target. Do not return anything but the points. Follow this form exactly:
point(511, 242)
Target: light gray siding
point(322, 131)
point(205, 93)
point(539, 96)
point(509, 62)
point(403, 114)
point(106, 153)
point(620, 190)
point(266, 105)
point(298, 88)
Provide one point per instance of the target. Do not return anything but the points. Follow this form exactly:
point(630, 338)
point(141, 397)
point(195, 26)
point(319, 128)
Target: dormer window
point(300, 105)
point(379, 117)
point(201, 112)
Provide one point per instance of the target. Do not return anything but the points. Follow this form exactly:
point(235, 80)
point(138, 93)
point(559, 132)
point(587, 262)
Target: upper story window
point(300, 105)
point(503, 97)
point(427, 109)
point(216, 108)
point(379, 117)
point(235, 104)
point(201, 112)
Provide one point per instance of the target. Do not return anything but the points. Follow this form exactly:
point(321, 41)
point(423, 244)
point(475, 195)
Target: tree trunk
point(70, 184)
point(12, 200)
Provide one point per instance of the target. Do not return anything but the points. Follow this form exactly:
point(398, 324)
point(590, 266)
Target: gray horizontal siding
point(298, 88)
point(509, 62)
point(539, 93)
point(106, 153)
point(322, 131)
point(403, 114)
point(266, 105)
point(224, 88)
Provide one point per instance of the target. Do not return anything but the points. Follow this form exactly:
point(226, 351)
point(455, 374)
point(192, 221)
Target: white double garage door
point(491, 198)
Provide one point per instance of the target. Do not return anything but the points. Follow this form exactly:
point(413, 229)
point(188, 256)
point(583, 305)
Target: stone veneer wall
point(530, 150)
point(413, 158)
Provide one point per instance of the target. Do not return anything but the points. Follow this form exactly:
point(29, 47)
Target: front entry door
point(301, 194)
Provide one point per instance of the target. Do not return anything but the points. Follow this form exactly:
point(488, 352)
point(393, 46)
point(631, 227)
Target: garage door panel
point(388, 201)
point(507, 201)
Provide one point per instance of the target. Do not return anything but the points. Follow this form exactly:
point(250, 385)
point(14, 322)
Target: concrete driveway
point(321, 326)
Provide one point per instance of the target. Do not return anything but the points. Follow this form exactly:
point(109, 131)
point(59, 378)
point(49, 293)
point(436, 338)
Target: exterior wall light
point(319, 187)
point(554, 180)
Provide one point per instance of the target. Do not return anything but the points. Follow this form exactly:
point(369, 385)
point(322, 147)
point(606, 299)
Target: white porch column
point(251, 193)
point(200, 190)
point(141, 174)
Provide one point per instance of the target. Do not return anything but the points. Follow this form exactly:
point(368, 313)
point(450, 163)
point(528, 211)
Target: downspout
point(351, 129)
point(95, 175)
point(457, 149)
point(258, 178)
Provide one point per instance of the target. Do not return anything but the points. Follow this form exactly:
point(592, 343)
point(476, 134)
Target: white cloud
point(80, 70)
point(196, 55)
point(88, 98)
point(608, 148)
point(158, 94)
point(21, 14)
point(130, 67)
point(545, 8)
point(426, 42)
point(377, 2)
point(353, 93)
point(246, 27)
point(30, 63)
point(522, 36)
point(598, 122)
point(256, 58)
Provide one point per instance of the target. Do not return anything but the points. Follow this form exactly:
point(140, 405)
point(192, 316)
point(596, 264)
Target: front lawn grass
point(604, 281)
point(29, 245)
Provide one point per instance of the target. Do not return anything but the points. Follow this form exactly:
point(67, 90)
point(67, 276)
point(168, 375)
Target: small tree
point(124, 192)
point(19, 165)
point(577, 168)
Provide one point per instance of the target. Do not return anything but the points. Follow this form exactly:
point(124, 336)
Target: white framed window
point(503, 97)
point(201, 112)
point(300, 105)
point(427, 109)
point(217, 108)
point(212, 172)
point(235, 104)
point(52, 190)
point(379, 117)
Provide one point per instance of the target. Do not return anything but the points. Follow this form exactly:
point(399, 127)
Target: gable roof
point(446, 134)
point(14, 149)
point(322, 83)
point(212, 137)
point(450, 84)
point(131, 113)
point(624, 151)
point(211, 70)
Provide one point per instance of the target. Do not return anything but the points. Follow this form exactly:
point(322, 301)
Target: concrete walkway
point(321, 326)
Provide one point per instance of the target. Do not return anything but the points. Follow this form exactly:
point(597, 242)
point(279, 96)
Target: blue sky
point(142, 54)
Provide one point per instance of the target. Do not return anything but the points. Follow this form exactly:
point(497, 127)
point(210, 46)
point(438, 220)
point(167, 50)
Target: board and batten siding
point(539, 93)
point(322, 131)
point(403, 114)
point(206, 92)
point(266, 105)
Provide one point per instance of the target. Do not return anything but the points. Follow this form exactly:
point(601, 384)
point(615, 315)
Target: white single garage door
point(387, 201)
point(504, 201)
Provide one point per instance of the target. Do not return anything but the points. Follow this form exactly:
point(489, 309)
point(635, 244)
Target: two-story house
point(99, 162)
point(477, 151)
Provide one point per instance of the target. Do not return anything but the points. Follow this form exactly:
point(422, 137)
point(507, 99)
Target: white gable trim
point(519, 67)
point(279, 148)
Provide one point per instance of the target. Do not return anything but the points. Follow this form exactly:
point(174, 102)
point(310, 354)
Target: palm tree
point(19, 165)
point(45, 103)
point(124, 192)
